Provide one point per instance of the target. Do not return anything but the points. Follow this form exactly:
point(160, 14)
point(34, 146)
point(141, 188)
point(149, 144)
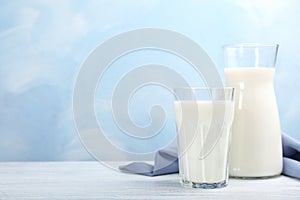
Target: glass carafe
point(256, 149)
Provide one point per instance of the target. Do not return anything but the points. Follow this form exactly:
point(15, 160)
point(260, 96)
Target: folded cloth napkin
point(291, 156)
point(166, 162)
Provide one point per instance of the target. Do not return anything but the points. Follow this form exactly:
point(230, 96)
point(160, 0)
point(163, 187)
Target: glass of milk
point(204, 117)
point(256, 149)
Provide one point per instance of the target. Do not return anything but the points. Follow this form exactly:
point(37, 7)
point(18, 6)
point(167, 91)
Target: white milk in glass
point(256, 135)
point(213, 167)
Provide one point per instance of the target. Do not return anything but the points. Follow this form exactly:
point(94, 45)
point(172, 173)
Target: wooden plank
point(91, 180)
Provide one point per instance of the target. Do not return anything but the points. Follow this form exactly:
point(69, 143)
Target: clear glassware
point(204, 117)
point(256, 149)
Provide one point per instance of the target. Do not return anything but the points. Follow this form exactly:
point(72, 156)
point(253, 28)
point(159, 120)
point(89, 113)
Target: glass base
point(254, 177)
point(190, 184)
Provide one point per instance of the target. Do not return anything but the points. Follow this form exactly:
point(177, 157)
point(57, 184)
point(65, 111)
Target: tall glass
point(204, 117)
point(256, 149)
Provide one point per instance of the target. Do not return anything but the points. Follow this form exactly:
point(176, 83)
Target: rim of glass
point(203, 88)
point(213, 90)
point(250, 45)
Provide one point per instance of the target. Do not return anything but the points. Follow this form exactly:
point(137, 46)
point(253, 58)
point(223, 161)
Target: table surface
point(92, 180)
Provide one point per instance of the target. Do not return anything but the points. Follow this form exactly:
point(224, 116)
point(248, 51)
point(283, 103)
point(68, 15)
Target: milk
point(192, 136)
point(256, 137)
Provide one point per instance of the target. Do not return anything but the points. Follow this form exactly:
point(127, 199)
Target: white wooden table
point(91, 180)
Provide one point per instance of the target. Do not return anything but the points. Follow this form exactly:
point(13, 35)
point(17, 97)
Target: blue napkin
point(168, 158)
point(165, 162)
point(291, 156)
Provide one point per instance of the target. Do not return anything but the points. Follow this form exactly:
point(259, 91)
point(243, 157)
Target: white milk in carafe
point(256, 136)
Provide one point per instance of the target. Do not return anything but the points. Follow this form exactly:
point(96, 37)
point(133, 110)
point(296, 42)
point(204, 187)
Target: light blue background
point(44, 43)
